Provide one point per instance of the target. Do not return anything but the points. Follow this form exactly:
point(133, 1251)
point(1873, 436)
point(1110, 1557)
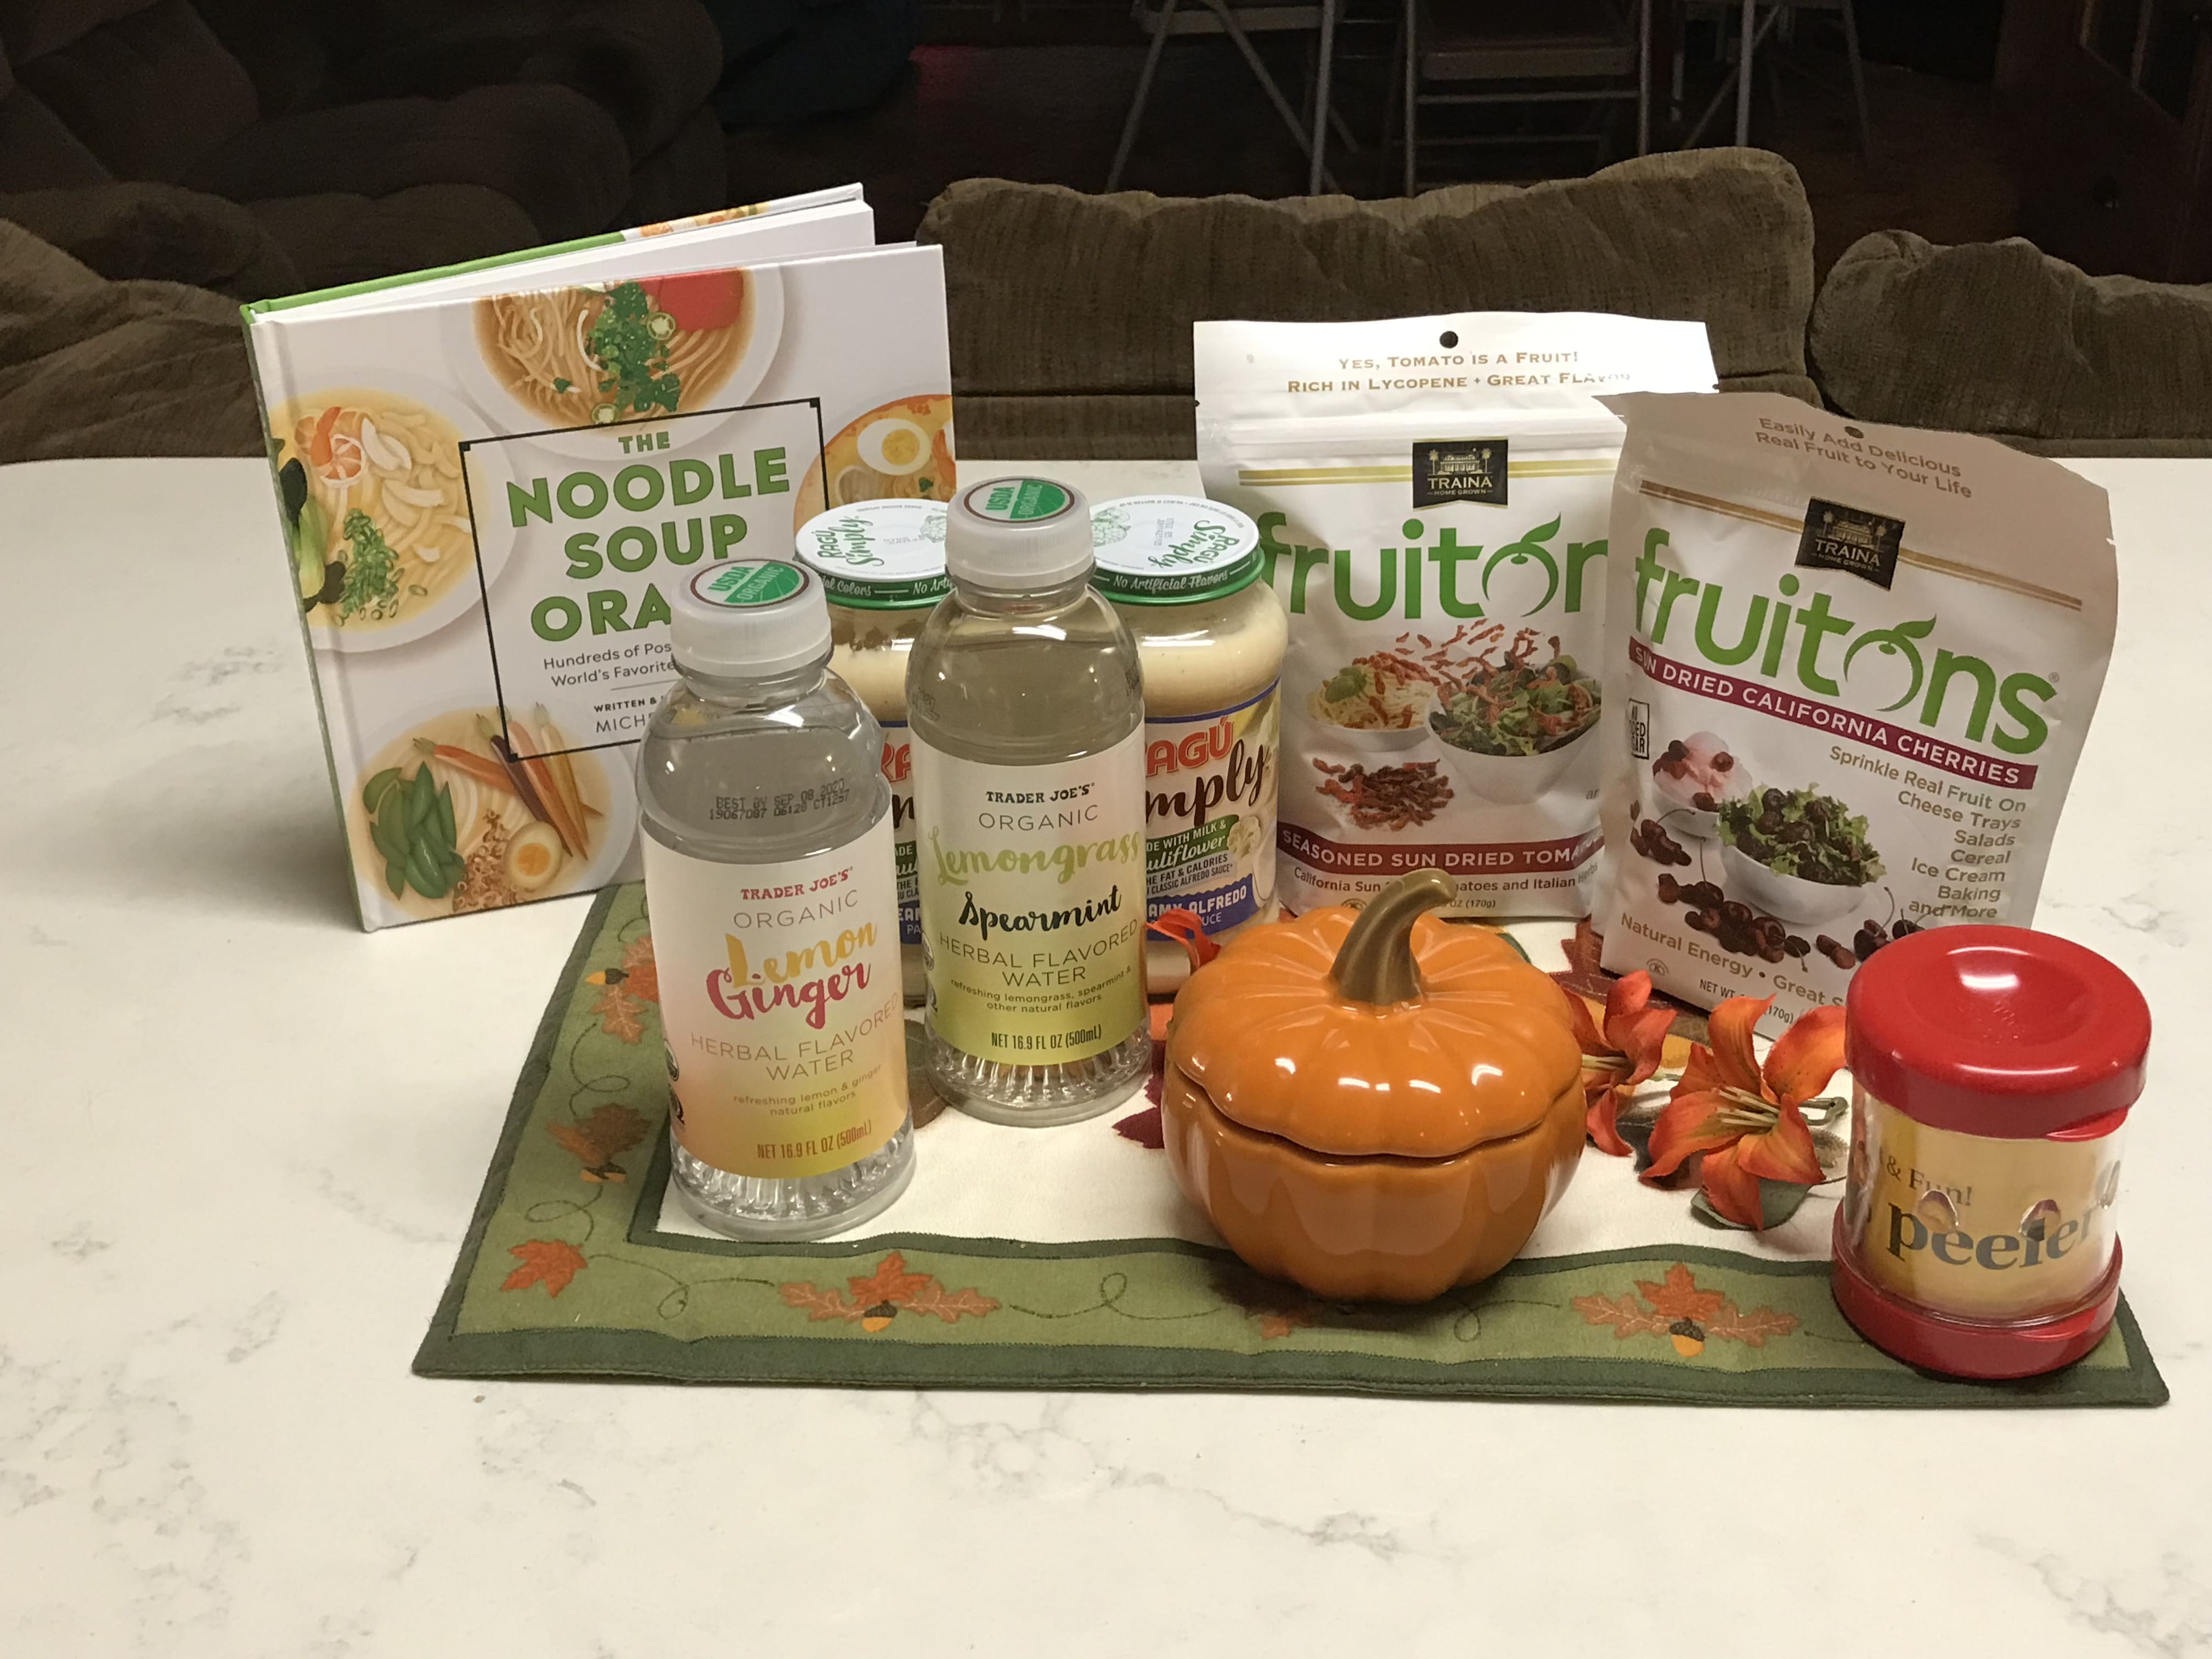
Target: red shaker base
point(1963, 1347)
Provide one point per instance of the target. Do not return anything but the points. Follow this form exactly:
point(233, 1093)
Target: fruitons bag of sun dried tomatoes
point(1848, 672)
point(1432, 496)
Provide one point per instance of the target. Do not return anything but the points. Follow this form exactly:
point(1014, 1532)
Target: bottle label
point(1210, 813)
point(898, 772)
point(1032, 882)
point(779, 998)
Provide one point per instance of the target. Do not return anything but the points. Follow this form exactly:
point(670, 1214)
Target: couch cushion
point(38, 151)
point(1056, 293)
point(551, 151)
point(651, 64)
point(1998, 338)
point(689, 174)
point(333, 239)
point(141, 368)
point(149, 94)
point(159, 231)
point(32, 28)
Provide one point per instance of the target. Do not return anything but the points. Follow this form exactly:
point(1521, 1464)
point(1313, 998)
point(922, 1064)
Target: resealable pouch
point(1432, 493)
point(1848, 672)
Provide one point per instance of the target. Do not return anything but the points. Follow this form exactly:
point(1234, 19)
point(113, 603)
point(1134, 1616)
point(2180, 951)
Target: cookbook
point(489, 476)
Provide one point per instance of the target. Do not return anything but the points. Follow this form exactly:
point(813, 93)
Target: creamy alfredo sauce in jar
point(1184, 574)
point(881, 564)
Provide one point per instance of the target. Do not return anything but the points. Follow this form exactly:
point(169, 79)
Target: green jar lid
point(878, 556)
point(1172, 549)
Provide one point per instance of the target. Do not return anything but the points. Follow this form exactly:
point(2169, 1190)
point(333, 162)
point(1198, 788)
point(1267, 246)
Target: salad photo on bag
point(1431, 494)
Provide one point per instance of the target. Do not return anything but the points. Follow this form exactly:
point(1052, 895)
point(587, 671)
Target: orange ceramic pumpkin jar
point(1375, 1104)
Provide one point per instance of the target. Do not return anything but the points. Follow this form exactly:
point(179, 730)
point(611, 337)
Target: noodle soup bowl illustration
point(515, 387)
point(1514, 780)
point(603, 782)
point(429, 424)
point(1787, 898)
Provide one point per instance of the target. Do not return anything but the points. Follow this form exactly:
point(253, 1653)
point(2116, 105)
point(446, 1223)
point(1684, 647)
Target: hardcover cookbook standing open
point(491, 477)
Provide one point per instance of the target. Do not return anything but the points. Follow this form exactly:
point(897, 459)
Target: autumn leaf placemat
point(1064, 1258)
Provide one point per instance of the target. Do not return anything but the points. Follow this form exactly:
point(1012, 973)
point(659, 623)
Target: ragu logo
point(1727, 632)
point(736, 992)
point(1218, 765)
point(897, 768)
point(1213, 743)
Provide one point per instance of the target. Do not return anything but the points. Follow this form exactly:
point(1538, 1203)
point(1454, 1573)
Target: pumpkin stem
point(1374, 965)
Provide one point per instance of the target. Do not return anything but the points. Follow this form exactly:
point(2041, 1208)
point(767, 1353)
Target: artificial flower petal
point(1692, 1123)
point(1628, 996)
point(1784, 1152)
point(1585, 1029)
point(1730, 1026)
point(1807, 1056)
point(1600, 1123)
point(1645, 1041)
point(1731, 1186)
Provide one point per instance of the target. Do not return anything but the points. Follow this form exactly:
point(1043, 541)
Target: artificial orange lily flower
point(1183, 927)
point(1618, 1057)
point(1743, 1117)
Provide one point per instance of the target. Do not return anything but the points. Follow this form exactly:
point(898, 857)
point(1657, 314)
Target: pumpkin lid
point(1376, 1032)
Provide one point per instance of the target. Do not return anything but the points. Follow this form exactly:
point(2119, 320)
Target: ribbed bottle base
point(1039, 1096)
point(809, 1206)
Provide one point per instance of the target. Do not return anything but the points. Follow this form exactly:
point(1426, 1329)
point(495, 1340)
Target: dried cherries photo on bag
point(1848, 672)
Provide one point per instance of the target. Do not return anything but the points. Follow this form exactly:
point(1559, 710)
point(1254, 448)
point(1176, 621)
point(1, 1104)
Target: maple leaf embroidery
point(624, 991)
point(642, 975)
point(1627, 1316)
point(546, 1261)
point(872, 1300)
point(609, 1132)
point(1688, 1316)
point(620, 1013)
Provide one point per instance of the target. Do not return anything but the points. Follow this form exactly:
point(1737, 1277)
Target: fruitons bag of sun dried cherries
point(1848, 672)
point(1432, 496)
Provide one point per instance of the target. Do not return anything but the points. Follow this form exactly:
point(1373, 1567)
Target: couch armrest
point(94, 367)
point(164, 232)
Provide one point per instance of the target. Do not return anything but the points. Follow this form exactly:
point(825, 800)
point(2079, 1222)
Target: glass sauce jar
point(882, 565)
point(1184, 574)
point(1993, 1069)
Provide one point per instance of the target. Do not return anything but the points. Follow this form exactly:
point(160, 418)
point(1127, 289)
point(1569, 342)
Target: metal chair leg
point(1744, 54)
point(1252, 61)
point(1858, 80)
point(1412, 88)
point(1318, 148)
point(1644, 78)
point(1144, 92)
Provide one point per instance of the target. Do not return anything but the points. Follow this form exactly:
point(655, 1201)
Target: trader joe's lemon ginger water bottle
point(772, 890)
point(1028, 722)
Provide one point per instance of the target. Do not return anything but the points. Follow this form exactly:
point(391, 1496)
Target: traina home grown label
point(1033, 903)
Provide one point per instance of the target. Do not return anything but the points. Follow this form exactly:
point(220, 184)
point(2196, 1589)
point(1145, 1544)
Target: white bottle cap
point(1018, 536)
point(749, 619)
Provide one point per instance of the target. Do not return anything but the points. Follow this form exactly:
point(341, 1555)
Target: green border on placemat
point(566, 1272)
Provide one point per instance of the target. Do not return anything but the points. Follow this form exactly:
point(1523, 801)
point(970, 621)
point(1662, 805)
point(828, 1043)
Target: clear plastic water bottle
point(770, 883)
point(1028, 721)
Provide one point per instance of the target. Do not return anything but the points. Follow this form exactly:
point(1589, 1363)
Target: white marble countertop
point(220, 1245)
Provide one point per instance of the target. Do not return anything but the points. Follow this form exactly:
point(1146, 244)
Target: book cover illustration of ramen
point(489, 478)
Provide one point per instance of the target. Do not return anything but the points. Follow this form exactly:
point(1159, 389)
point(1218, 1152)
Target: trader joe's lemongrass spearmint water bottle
point(1028, 722)
point(770, 879)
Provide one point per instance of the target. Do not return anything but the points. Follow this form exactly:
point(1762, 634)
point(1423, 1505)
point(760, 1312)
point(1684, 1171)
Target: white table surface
point(244, 1139)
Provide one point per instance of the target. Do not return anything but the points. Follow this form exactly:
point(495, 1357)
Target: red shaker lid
point(1997, 1031)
